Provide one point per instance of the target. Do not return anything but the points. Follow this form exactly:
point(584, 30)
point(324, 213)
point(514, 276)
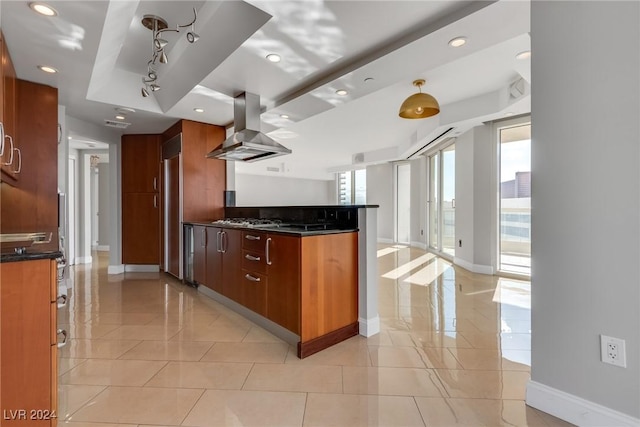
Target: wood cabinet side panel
point(329, 283)
point(204, 180)
point(26, 365)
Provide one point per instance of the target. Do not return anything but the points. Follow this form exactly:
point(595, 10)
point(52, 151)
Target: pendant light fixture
point(419, 105)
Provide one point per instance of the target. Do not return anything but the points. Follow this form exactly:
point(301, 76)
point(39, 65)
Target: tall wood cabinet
point(141, 204)
point(28, 343)
point(193, 185)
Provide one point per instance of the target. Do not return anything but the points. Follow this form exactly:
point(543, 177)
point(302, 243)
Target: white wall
point(586, 202)
point(465, 198)
point(380, 192)
point(260, 190)
point(104, 226)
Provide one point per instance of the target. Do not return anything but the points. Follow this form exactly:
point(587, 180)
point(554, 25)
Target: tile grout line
point(204, 390)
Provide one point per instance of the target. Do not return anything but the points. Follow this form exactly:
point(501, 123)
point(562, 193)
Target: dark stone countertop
point(278, 230)
point(29, 256)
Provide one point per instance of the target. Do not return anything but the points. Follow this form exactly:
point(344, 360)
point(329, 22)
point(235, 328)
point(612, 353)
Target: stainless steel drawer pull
point(267, 250)
point(252, 258)
point(1, 138)
point(252, 237)
point(63, 333)
point(19, 168)
point(10, 151)
point(250, 277)
point(63, 302)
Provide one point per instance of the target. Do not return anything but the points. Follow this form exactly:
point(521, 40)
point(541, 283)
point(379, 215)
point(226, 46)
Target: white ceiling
point(101, 51)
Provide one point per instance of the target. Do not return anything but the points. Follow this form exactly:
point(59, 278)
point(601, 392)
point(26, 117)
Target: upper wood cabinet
point(140, 163)
point(203, 180)
point(11, 158)
point(30, 204)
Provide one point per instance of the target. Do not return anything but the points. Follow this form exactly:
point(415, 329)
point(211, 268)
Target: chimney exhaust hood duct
point(247, 143)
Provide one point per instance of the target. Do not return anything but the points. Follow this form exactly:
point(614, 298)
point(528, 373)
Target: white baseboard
point(102, 247)
point(115, 269)
point(574, 409)
point(83, 260)
point(383, 240)
point(141, 268)
point(420, 245)
point(369, 327)
point(475, 268)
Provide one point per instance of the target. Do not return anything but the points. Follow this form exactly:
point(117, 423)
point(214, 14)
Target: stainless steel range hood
point(247, 143)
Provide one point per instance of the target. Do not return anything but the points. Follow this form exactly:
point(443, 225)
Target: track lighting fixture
point(157, 25)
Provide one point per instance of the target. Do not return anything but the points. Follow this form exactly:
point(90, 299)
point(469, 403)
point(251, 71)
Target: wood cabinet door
point(141, 228)
point(252, 291)
point(231, 262)
point(25, 338)
point(283, 271)
point(200, 254)
point(140, 163)
point(214, 259)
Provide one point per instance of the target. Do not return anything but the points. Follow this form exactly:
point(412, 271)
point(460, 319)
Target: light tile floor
point(145, 350)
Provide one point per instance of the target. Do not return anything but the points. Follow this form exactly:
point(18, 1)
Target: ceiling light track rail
point(158, 25)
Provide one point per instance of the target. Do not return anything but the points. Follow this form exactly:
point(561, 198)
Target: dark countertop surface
point(306, 207)
point(30, 256)
point(292, 231)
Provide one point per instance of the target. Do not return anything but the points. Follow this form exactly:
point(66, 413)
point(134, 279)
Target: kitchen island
point(298, 275)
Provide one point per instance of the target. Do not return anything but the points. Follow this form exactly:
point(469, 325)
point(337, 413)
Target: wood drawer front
point(253, 291)
point(254, 261)
point(254, 241)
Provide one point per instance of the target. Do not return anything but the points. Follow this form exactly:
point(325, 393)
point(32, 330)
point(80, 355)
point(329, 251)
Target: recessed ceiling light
point(43, 9)
point(368, 79)
point(524, 55)
point(273, 57)
point(47, 69)
point(120, 117)
point(198, 110)
point(68, 137)
point(284, 116)
point(458, 41)
point(341, 92)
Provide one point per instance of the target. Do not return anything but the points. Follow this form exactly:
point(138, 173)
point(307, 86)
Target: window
point(352, 187)
point(515, 199)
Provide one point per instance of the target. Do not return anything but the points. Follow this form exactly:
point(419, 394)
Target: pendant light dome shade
point(419, 105)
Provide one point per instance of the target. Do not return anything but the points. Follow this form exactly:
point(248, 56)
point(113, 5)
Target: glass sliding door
point(434, 188)
point(515, 199)
point(448, 216)
point(442, 202)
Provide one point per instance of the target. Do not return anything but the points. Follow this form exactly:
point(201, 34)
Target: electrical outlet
point(612, 351)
